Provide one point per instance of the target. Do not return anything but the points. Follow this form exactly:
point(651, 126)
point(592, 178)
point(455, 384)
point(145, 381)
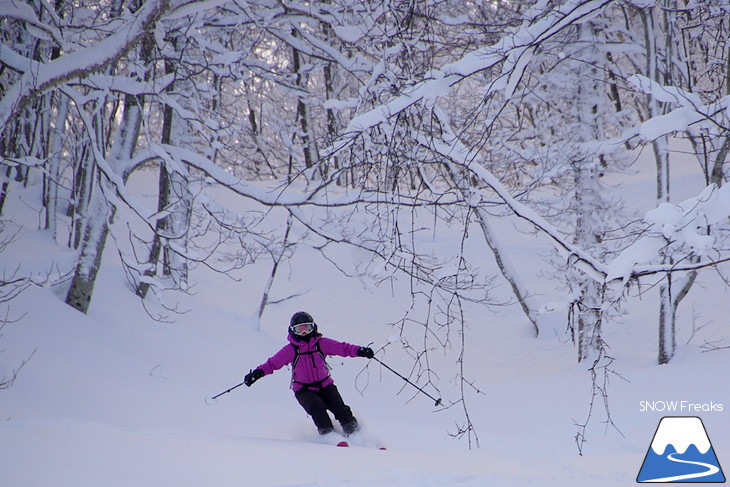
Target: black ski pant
point(317, 402)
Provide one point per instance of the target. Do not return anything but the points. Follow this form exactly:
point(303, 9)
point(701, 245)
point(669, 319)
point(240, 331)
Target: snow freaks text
point(680, 407)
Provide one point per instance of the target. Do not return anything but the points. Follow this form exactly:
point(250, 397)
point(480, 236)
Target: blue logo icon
point(681, 452)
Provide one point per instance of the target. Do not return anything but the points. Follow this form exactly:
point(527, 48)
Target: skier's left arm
point(343, 349)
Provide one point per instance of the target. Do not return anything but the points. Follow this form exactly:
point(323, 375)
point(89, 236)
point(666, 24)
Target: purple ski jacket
point(310, 370)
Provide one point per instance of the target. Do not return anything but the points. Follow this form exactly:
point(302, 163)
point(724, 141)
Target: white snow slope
point(114, 398)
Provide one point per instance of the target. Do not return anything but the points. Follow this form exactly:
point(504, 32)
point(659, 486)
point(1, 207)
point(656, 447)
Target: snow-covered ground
point(115, 398)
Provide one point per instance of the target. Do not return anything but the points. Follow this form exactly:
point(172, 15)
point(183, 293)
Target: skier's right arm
point(283, 357)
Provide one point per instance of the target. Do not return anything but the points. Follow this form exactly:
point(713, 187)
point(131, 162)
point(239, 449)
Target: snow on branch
point(691, 110)
point(680, 225)
point(190, 8)
point(514, 51)
point(128, 85)
point(283, 194)
point(25, 13)
point(38, 77)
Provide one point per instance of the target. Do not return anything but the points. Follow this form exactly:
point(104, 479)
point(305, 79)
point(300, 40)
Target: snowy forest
point(394, 129)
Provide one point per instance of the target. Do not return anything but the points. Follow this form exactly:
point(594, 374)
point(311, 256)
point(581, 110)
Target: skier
point(312, 384)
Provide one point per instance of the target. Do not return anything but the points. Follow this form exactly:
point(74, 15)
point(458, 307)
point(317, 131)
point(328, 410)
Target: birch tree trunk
point(507, 269)
point(92, 247)
point(54, 165)
point(85, 174)
point(277, 255)
point(176, 244)
point(667, 306)
point(303, 119)
point(169, 244)
point(588, 294)
point(163, 184)
point(100, 211)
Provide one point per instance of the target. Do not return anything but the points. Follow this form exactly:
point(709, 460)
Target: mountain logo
point(681, 452)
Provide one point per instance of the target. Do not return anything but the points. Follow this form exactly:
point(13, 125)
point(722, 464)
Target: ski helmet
point(302, 325)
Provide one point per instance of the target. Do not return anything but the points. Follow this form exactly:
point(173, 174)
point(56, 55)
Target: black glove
point(253, 376)
point(366, 352)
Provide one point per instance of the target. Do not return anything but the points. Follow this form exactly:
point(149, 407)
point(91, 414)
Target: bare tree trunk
point(7, 141)
point(178, 223)
point(84, 176)
point(276, 257)
point(163, 201)
point(100, 211)
point(588, 305)
point(716, 175)
point(92, 247)
point(667, 315)
point(308, 143)
point(509, 272)
point(667, 341)
point(54, 166)
point(169, 245)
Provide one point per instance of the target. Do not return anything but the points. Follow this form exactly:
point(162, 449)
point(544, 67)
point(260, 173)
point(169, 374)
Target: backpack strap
point(311, 385)
point(297, 354)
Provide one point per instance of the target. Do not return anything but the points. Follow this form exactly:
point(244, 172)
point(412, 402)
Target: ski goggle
point(302, 329)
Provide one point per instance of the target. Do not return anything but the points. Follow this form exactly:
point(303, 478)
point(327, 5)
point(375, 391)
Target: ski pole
point(226, 391)
point(437, 401)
